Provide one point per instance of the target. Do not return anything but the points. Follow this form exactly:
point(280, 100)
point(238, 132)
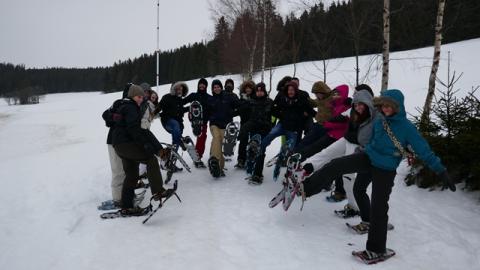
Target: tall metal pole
point(158, 42)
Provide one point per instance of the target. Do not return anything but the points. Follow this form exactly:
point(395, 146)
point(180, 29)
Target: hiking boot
point(336, 197)
point(256, 180)
point(199, 164)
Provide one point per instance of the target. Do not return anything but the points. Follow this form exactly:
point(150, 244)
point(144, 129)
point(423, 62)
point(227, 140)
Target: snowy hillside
point(54, 170)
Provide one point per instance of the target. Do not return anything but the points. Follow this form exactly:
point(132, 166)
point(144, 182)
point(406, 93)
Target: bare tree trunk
point(436, 62)
point(252, 56)
point(386, 43)
point(264, 54)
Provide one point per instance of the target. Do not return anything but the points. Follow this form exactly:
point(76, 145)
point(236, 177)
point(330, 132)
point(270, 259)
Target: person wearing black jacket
point(118, 175)
point(221, 109)
point(201, 96)
point(308, 120)
point(288, 107)
point(171, 111)
point(136, 145)
point(259, 112)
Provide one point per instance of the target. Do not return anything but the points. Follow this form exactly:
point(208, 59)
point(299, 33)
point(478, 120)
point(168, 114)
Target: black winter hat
point(217, 82)
point(364, 87)
point(203, 81)
point(262, 86)
point(230, 81)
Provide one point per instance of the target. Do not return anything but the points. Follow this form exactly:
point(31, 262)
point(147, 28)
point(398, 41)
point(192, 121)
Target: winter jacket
point(291, 111)
point(128, 128)
point(245, 101)
point(360, 133)
point(337, 125)
point(261, 114)
point(171, 105)
point(202, 97)
point(221, 108)
point(381, 150)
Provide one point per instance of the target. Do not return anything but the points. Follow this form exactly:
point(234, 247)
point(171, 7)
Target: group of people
point(352, 141)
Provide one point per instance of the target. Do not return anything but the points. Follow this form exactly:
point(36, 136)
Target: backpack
point(112, 115)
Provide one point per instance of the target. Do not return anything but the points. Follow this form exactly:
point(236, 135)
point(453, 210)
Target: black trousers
point(362, 181)
point(382, 183)
point(132, 155)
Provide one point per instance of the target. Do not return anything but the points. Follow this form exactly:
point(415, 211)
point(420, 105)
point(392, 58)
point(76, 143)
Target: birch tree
point(386, 44)
point(436, 62)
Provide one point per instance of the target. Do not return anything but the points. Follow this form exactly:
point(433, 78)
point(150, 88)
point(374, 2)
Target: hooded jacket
point(382, 152)
point(171, 105)
point(337, 125)
point(360, 133)
point(128, 130)
point(200, 96)
point(291, 111)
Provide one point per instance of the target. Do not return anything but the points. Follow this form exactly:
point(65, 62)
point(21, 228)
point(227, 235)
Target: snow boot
point(336, 197)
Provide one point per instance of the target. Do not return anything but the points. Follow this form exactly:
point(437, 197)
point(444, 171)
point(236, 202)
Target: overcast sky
point(81, 33)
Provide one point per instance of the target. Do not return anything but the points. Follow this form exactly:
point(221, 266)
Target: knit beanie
point(135, 90)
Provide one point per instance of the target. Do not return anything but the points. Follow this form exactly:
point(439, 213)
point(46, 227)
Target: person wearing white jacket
point(357, 136)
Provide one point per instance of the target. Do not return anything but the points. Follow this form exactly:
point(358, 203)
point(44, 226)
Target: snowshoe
point(280, 197)
point(195, 116)
point(253, 150)
point(336, 197)
point(165, 195)
point(189, 146)
point(363, 227)
point(370, 257)
point(256, 180)
point(230, 138)
point(282, 158)
point(127, 212)
point(347, 212)
point(214, 167)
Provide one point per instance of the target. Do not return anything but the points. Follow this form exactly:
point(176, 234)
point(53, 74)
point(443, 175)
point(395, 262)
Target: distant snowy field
point(54, 170)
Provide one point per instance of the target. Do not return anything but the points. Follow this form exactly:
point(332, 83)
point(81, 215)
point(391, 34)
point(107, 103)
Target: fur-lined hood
point(175, 85)
point(245, 84)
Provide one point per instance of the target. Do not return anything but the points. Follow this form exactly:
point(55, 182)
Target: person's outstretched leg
point(317, 146)
point(321, 179)
point(382, 183)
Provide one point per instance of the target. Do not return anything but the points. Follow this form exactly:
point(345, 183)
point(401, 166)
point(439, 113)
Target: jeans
point(173, 127)
point(277, 131)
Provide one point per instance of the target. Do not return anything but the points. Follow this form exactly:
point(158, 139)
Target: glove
point(164, 153)
point(308, 168)
point(447, 181)
point(348, 101)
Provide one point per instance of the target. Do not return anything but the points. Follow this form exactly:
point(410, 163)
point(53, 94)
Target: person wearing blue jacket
point(221, 109)
point(381, 158)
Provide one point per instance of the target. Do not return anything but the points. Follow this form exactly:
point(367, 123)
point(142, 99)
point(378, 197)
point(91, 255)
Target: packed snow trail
point(54, 170)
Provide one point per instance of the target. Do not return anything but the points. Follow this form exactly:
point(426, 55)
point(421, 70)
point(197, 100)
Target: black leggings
point(382, 183)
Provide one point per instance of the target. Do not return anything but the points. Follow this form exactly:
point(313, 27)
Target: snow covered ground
point(54, 171)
